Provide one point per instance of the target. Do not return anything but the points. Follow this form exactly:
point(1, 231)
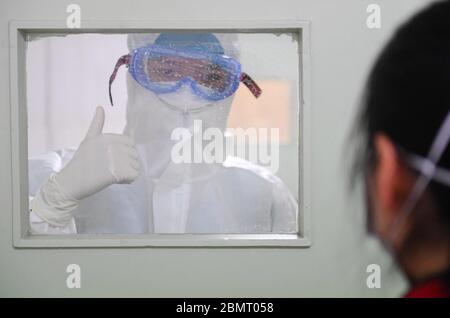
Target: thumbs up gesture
point(101, 160)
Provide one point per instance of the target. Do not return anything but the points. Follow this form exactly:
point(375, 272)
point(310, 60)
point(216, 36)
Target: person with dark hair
point(404, 129)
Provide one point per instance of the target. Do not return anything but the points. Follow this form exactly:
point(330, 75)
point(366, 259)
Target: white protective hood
point(234, 197)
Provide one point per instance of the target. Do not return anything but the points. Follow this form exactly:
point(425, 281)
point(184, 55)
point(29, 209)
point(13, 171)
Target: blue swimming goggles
point(162, 70)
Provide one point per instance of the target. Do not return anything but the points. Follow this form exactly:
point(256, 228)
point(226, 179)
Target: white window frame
point(19, 141)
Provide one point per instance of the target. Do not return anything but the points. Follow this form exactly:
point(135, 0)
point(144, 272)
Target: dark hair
point(407, 95)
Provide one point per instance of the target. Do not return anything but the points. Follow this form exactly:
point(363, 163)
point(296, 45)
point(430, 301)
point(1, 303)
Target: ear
point(392, 179)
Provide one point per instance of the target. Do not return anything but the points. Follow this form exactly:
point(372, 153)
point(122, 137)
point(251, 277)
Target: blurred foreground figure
point(405, 160)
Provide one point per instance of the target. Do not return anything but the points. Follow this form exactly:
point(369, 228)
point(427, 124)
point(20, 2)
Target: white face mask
point(184, 100)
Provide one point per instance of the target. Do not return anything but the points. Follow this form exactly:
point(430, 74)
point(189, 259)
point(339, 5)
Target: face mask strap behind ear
point(441, 175)
point(428, 171)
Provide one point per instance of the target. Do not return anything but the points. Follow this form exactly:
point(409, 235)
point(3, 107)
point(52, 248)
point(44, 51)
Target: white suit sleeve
point(41, 169)
point(39, 226)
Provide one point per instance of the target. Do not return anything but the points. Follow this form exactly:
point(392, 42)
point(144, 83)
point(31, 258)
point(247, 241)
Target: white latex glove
point(100, 160)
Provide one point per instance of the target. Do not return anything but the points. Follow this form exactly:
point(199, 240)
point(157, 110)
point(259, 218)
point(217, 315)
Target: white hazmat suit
point(141, 189)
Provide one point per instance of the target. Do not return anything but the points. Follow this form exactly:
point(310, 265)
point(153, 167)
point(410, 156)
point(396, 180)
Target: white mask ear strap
point(435, 173)
point(427, 168)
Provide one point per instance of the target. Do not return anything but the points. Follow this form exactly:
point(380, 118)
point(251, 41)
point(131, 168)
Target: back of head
point(408, 92)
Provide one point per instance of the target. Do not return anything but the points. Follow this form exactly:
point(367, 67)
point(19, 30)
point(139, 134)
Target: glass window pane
point(202, 137)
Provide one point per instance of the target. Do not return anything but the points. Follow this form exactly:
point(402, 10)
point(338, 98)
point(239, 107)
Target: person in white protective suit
point(130, 184)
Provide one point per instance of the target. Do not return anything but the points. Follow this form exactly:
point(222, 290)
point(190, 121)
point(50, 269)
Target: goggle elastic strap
point(251, 84)
point(125, 60)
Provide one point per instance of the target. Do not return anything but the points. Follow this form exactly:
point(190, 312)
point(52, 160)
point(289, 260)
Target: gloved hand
point(100, 160)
